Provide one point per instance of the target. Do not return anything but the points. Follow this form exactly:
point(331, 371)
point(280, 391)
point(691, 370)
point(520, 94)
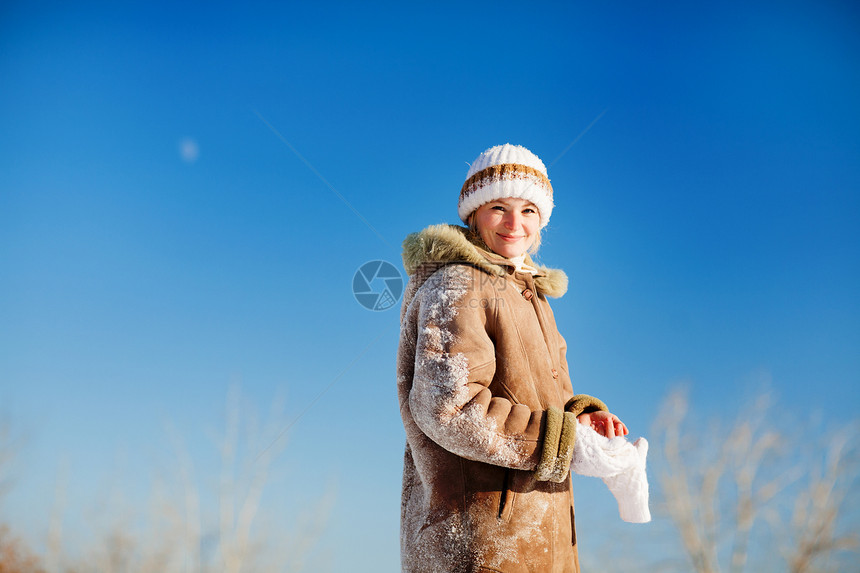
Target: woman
point(484, 389)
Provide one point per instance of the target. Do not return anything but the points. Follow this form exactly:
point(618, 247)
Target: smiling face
point(509, 226)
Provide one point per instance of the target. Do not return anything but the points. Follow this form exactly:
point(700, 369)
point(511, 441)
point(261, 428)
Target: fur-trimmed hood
point(439, 244)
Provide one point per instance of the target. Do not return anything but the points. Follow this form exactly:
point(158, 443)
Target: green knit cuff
point(559, 438)
point(582, 403)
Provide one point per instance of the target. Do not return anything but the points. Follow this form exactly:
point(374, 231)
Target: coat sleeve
point(450, 399)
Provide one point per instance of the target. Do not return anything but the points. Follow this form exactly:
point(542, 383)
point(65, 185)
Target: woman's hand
point(604, 423)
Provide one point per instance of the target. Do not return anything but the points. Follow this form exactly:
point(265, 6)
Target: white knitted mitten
point(621, 466)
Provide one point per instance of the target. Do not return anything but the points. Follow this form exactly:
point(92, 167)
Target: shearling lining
point(454, 244)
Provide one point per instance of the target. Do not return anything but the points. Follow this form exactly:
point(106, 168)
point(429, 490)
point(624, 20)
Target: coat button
point(555, 373)
point(527, 294)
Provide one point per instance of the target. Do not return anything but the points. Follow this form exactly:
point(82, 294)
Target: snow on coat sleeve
point(450, 399)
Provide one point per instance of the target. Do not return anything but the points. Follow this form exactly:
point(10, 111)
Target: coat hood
point(440, 244)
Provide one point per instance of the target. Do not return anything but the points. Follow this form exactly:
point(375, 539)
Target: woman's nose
point(512, 220)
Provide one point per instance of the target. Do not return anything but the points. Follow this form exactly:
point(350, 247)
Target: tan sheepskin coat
point(489, 412)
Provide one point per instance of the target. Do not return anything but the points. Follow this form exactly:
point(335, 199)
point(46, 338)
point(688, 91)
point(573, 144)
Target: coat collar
point(440, 244)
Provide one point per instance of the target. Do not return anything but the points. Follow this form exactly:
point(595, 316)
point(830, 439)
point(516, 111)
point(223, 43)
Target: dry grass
point(722, 484)
point(15, 556)
point(184, 527)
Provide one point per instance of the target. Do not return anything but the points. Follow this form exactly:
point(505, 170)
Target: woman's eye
point(498, 208)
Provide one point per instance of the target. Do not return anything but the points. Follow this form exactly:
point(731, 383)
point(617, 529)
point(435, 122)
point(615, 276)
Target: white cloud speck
point(188, 150)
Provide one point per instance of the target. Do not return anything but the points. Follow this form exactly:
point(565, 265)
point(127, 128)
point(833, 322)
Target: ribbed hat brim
point(508, 180)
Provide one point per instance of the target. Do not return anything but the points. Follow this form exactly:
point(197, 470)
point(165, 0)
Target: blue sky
point(706, 168)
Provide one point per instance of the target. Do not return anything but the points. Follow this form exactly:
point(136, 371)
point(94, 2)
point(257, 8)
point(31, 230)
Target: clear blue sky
point(709, 219)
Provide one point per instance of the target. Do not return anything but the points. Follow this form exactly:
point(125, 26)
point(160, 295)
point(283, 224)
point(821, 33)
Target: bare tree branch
point(754, 472)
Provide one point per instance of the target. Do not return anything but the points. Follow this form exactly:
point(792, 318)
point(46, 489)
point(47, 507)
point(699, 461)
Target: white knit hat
point(506, 171)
